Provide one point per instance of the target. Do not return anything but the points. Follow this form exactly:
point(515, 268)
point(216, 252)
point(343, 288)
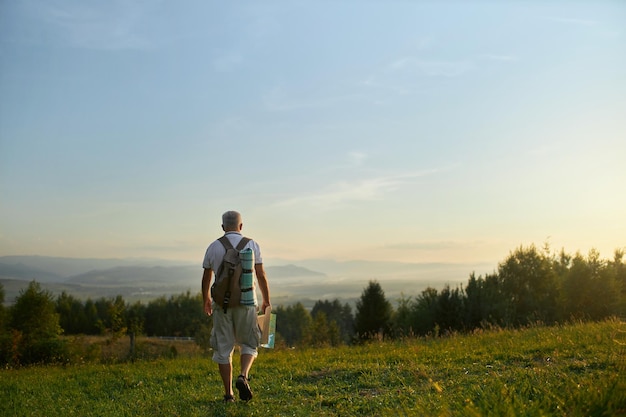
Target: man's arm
point(206, 287)
point(263, 285)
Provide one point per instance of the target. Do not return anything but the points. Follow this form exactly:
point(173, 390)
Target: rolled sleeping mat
point(247, 277)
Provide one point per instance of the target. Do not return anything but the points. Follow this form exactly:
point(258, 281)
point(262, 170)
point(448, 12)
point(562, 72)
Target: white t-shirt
point(215, 254)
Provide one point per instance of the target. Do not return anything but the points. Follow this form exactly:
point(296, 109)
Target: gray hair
point(231, 220)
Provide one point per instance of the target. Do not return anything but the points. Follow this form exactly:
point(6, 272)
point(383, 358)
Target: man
point(238, 325)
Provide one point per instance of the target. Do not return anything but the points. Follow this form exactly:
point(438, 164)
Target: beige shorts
point(238, 326)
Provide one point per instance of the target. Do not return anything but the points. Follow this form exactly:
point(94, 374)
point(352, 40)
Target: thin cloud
point(548, 149)
point(501, 58)
point(423, 43)
point(176, 246)
point(571, 21)
point(234, 126)
point(227, 62)
point(277, 100)
point(432, 68)
point(432, 245)
point(345, 192)
point(390, 86)
point(104, 26)
point(404, 76)
point(357, 158)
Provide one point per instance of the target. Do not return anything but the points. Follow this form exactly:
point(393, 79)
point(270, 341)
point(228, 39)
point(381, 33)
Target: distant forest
point(531, 286)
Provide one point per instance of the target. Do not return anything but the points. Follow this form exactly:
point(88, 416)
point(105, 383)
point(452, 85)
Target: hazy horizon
point(305, 282)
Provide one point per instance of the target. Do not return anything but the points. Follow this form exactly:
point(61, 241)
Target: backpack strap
point(225, 242)
point(244, 241)
point(227, 245)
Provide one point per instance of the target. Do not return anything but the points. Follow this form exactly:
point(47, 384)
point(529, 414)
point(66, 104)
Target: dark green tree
point(110, 316)
point(135, 317)
point(3, 313)
point(323, 332)
point(424, 317)
point(484, 302)
point(157, 321)
point(449, 312)
point(72, 317)
point(473, 302)
point(293, 323)
point(339, 313)
point(5, 334)
point(203, 336)
point(117, 315)
point(93, 321)
point(619, 269)
point(529, 287)
point(35, 323)
point(373, 313)
point(103, 307)
point(188, 314)
point(590, 289)
point(180, 315)
point(402, 319)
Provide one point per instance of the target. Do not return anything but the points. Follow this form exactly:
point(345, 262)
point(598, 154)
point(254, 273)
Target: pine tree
point(373, 313)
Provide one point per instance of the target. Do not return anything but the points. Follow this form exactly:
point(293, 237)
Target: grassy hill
point(573, 370)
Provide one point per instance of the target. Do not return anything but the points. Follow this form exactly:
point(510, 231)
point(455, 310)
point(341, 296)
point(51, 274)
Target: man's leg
point(248, 336)
point(245, 393)
point(226, 372)
point(246, 364)
point(222, 342)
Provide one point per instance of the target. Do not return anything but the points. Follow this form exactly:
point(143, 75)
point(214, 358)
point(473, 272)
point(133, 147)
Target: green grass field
point(573, 370)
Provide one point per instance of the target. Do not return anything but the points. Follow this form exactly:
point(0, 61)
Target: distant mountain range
point(145, 279)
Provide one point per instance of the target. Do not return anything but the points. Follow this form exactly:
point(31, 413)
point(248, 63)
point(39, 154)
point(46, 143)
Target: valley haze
point(305, 281)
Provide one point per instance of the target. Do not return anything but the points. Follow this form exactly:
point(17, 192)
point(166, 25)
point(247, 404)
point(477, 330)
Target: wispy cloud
point(340, 193)
point(112, 25)
point(228, 128)
point(278, 100)
point(389, 85)
point(423, 43)
point(357, 158)
point(571, 21)
point(432, 68)
point(431, 245)
point(406, 74)
point(500, 57)
point(604, 29)
point(227, 62)
point(547, 149)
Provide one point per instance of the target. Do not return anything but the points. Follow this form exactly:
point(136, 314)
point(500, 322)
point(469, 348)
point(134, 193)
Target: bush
point(33, 330)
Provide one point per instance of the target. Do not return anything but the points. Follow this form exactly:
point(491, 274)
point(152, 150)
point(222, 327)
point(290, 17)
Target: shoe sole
point(244, 390)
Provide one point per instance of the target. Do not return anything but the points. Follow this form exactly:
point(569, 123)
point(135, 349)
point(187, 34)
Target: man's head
point(231, 221)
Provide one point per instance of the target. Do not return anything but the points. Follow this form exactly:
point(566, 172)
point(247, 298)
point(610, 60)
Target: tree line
point(529, 286)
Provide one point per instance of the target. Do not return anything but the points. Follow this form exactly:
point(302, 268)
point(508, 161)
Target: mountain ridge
point(144, 279)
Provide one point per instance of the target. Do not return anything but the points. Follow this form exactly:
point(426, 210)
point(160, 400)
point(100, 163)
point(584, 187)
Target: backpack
point(226, 290)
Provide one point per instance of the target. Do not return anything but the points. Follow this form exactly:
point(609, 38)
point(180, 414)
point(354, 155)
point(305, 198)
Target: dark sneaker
point(244, 388)
point(229, 399)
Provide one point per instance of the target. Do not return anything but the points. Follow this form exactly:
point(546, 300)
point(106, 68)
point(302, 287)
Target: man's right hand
point(208, 307)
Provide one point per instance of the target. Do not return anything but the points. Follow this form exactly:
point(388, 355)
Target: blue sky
point(406, 131)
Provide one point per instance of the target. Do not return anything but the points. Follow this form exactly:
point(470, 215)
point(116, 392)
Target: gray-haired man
point(237, 325)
